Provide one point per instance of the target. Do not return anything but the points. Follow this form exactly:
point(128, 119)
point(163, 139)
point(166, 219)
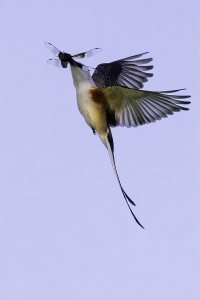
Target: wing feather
point(143, 117)
point(127, 72)
point(133, 57)
point(134, 117)
point(145, 113)
point(127, 118)
point(157, 115)
point(139, 79)
point(135, 107)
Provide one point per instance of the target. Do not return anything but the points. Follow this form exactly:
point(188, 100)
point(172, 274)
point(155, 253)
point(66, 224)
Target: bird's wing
point(110, 147)
point(127, 72)
point(130, 108)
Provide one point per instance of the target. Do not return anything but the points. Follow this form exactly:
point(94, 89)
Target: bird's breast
point(92, 106)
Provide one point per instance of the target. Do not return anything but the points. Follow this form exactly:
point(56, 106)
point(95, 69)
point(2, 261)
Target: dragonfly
point(112, 96)
point(62, 58)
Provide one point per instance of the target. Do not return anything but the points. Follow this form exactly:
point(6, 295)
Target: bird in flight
point(112, 97)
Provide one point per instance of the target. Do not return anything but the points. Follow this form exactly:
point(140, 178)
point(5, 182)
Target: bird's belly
point(93, 112)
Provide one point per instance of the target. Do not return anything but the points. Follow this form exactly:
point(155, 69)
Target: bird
point(113, 96)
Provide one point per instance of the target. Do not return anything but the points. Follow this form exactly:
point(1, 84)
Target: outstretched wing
point(87, 53)
point(52, 48)
point(56, 62)
point(130, 108)
point(126, 72)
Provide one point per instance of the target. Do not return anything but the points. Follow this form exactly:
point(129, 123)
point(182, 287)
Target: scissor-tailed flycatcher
point(111, 97)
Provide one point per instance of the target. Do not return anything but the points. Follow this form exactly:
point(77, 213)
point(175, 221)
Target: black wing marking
point(126, 72)
point(87, 53)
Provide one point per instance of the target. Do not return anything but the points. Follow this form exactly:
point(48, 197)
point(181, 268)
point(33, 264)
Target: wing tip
point(47, 43)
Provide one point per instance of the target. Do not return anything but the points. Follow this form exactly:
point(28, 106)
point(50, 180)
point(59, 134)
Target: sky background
point(65, 229)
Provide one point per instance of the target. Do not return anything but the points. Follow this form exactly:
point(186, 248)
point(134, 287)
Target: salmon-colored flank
point(98, 96)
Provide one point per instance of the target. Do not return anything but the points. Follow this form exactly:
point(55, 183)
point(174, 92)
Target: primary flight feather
point(112, 97)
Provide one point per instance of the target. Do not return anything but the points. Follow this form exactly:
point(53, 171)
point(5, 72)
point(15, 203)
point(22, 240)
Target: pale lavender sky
point(65, 229)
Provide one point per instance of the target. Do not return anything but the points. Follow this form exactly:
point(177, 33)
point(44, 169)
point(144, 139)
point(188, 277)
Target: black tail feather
point(110, 147)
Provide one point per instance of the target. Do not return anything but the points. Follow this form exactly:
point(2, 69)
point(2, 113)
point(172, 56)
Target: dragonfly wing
point(52, 48)
point(88, 53)
point(126, 72)
point(56, 62)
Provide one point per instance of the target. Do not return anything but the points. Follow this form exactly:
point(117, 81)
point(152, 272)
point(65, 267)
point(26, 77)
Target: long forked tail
point(110, 147)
